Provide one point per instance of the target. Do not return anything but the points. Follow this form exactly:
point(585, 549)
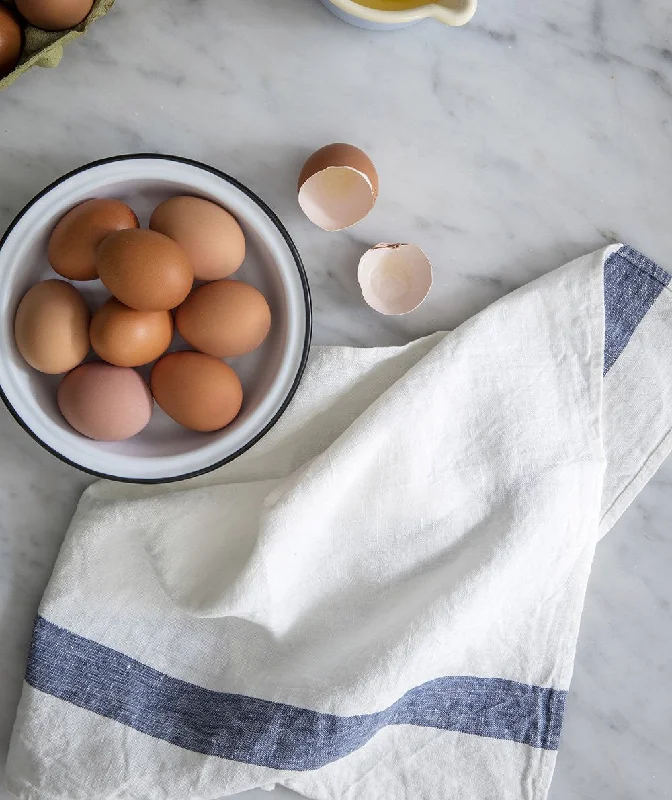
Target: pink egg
point(105, 403)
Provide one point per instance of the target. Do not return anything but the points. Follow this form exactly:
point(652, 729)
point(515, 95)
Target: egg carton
point(45, 48)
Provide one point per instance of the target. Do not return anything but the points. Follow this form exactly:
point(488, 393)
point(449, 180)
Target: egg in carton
point(40, 47)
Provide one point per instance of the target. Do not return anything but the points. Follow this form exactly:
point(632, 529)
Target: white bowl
point(270, 375)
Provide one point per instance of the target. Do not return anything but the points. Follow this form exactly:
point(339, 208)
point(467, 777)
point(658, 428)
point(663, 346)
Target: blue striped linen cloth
point(382, 598)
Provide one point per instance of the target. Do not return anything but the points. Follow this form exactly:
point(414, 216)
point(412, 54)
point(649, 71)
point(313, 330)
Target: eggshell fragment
point(338, 186)
point(395, 278)
point(129, 338)
point(75, 239)
point(105, 403)
point(51, 327)
point(198, 391)
point(211, 237)
point(145, 270)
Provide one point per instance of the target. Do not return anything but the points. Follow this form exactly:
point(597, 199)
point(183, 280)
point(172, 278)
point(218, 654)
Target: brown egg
point(11, 40)
point(198, 391)
point(224, 318)
point(105, 403)
point(51, 327)
point(54, 15)
point(144, 269)
point(128, 338)
point(211, 237)
point(73, 244)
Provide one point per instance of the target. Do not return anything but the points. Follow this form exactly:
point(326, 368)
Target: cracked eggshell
point(338, 186)
point(394, 278)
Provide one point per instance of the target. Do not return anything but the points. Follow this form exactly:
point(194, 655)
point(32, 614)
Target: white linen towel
point(381, 599)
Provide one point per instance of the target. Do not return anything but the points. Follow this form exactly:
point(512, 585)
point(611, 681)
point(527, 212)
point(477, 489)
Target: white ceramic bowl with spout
point(270, 375)
point(402, 13)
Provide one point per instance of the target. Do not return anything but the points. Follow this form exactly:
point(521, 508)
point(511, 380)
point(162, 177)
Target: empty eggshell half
point(338, 186)
point(395, 278)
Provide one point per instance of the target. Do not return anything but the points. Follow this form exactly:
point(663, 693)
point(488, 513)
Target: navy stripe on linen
point(632, 283)
point(270, 734)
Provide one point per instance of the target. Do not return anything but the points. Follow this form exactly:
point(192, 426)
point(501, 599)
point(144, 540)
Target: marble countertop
point(541, 131)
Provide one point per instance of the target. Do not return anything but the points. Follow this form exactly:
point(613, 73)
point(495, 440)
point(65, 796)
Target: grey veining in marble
point(541, 131)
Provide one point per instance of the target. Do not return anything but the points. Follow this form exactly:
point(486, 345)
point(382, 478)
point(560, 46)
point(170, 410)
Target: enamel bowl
point(270, 375)
point(402, 13)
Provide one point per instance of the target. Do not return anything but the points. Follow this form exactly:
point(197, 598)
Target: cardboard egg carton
point(45, 48)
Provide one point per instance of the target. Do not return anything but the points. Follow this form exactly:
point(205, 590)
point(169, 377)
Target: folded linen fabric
point(382, 598)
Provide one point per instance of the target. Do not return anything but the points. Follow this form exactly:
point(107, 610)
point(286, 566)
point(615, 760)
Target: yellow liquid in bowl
point(392, 5)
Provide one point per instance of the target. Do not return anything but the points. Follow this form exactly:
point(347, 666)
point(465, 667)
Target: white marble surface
point(540, 132)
